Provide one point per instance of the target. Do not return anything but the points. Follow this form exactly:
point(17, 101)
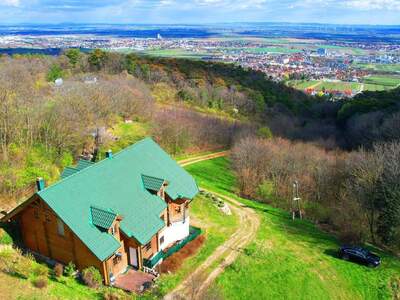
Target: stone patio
point(134, 281)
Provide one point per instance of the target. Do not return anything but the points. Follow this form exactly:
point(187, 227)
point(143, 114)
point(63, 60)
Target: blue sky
point(200, 11)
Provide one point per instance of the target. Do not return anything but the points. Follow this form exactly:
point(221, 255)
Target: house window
point(178, 209)
point(148, 246)
point(60, 227)
point(117, 258)
point(161, 240)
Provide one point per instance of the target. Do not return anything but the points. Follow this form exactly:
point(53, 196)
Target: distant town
point(335, 68)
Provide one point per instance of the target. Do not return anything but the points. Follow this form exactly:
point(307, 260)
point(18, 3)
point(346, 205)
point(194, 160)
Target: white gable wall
point(175, 232)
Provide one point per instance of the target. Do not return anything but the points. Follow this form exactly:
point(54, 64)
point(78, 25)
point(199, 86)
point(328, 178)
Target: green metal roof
point(101, 217)
point(152, 183)
point(68, 171)
point(83, 164)
point(116, 184)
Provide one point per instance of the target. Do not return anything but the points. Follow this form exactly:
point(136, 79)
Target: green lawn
point(320, 85)
point(380, 67)
point(126, 134)
point(303, 84)
point(340, 86)
point(273, 50)
point(387, 81)
point(351, 50)
point(181, 53)
point(19, 285)
point(293, 260)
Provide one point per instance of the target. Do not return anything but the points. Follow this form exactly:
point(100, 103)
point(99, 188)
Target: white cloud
point(10, 3)
point(374, 4)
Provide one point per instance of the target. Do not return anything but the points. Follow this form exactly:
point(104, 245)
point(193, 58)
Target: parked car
point(359, 255)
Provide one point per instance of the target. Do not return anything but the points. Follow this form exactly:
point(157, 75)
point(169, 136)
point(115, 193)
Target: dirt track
point(195, 286)
point(197, 159)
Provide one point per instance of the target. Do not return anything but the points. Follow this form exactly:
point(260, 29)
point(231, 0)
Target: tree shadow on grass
point(332, 253)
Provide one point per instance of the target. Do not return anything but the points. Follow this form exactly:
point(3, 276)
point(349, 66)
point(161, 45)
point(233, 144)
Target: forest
point(344, 154)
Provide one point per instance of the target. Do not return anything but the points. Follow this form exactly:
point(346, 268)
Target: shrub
point(92, 277)
point(9, 261)
point(69, 269)
point(114, 294)
point(25, 266)
point(265, 133)
point(40, 270)
point(5, 238)
point(395, 287)
point(40, 282)
point(54, 73)
point(58, 270)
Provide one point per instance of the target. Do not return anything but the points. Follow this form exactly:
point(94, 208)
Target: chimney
point(40, 184)
point(109, 154)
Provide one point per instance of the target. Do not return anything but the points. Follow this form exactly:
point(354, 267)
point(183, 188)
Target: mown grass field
point(371, 83)
point(179, 53)
point(386, 81)
point(320, 85)
point(293, 260)
point(380, 67)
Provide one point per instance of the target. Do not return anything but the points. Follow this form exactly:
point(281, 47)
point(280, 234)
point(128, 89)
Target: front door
point(133, 256)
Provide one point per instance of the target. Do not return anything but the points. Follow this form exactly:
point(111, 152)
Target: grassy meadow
point(391, 68)
point(293, 259)
point(370, 83)
point(320, 85)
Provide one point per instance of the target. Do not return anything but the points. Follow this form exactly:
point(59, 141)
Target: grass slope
point(293, 260)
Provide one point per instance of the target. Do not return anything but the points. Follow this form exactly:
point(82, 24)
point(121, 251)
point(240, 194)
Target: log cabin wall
point(44, 233)
point(150, 248)
point(117, 264)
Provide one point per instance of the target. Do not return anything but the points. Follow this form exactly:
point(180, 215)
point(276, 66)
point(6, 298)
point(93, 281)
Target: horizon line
point(195, 24)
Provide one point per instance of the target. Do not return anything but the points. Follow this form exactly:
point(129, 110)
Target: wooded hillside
point(110, 100)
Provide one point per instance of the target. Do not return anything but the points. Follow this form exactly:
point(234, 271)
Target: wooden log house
point(111, 214)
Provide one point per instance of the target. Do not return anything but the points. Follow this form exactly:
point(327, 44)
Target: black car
point(359, 255)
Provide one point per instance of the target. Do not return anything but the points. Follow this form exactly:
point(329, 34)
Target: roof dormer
point(154, 185)
point(102, 218)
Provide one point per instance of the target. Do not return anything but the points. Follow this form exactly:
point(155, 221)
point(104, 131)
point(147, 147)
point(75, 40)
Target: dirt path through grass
point(197, 283)
point(197, 159)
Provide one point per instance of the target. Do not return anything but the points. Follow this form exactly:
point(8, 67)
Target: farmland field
point(181, 53)
point(320, 85)
point(272, 50)
point(386, 81)
point(392, 68)
point(292, 259)
point(371, 83)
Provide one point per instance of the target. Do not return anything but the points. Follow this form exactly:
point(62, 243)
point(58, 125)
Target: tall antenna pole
point(296, 201)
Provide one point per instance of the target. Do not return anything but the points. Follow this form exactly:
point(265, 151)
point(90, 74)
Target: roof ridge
point(95, 164)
